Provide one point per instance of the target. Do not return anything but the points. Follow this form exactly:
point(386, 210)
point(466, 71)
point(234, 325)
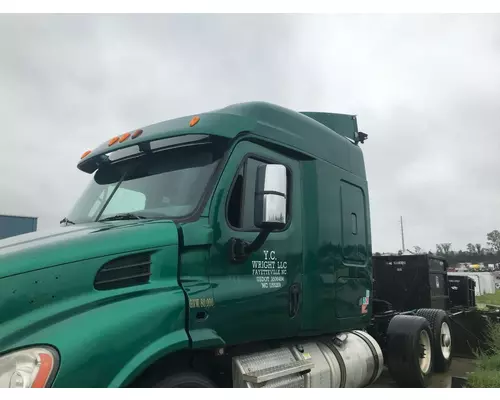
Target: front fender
point(104, 343)
point(122, 334)
point(167, 344)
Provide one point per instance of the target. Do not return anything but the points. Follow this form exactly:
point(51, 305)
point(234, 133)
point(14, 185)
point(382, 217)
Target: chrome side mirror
point(270, 197)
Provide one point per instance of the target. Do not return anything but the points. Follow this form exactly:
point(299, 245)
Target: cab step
point(279, 371)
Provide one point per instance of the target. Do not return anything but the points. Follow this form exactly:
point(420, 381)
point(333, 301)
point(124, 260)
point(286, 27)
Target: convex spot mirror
point(270, 197)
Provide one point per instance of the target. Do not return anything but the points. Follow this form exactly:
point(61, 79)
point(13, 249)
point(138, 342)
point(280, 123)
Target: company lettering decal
point(270, 272)
point(364, 301)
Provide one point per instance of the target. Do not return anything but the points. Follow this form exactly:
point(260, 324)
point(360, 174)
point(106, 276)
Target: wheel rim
point(425, 352)
point(445, 339)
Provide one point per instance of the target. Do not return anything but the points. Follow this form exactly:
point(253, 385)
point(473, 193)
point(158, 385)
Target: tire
point(185, 380)
point(410, 351)
point(440, 325)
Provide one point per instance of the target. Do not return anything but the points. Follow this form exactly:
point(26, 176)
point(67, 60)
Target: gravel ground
point(459, 367)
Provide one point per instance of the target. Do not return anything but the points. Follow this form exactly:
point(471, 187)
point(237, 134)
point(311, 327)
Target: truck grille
point(124, 272)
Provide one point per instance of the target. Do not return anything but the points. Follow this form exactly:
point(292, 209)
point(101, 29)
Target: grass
point(487, 373)
point(493, 298)
point(484, 379)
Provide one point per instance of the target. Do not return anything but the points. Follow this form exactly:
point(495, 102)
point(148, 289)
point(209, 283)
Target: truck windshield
point(165, 184)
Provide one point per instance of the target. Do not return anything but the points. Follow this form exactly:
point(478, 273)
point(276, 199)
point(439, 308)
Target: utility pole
point(402, 234)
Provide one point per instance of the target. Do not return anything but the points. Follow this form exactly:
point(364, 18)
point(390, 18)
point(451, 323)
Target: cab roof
point(327, 136)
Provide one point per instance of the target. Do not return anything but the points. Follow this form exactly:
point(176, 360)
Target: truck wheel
point(440, 326)
point(409, 351)
point(185, 380)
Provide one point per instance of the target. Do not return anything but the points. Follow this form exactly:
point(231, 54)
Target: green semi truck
point(226, 249)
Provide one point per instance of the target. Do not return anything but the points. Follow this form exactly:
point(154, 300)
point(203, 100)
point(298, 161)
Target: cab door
point(260, 297)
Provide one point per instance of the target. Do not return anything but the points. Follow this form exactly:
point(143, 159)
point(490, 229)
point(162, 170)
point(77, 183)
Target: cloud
point(424, 87)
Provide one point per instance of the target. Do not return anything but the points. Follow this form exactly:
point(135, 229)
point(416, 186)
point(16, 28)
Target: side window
point(241, 204)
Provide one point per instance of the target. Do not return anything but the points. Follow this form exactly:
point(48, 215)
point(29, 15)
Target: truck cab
point(199, 241)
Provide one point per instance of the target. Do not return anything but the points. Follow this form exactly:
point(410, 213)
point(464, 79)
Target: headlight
point(28, 368)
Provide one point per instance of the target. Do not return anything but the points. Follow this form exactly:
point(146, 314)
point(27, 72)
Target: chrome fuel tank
point(350, 359)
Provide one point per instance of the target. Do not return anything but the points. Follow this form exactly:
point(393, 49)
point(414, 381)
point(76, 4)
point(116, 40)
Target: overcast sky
point(425, 88)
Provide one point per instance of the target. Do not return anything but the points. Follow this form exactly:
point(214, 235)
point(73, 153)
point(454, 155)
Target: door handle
point(294, 299)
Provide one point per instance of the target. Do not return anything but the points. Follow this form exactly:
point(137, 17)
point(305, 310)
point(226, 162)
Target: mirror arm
point(258, 242)
point(241, 249)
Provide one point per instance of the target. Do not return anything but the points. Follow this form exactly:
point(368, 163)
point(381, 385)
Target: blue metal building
point(12, 225)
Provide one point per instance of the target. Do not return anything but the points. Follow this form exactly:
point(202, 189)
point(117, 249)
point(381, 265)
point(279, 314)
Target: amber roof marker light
point(194, 121)
point(113, 141)
point(124, 137)
point(85, 154)
point(137, 133)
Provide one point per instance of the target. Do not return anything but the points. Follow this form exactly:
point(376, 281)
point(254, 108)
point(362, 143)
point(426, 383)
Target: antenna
point(402, 234)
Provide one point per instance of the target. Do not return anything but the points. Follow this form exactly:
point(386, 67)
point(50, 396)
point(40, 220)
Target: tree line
point(473, 253)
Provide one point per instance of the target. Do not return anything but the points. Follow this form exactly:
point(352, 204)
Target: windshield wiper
point(66, 221)
point(123, 216)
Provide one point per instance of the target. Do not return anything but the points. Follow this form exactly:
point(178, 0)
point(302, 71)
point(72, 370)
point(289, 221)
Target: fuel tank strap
point(375, 356)
point(340, 360)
